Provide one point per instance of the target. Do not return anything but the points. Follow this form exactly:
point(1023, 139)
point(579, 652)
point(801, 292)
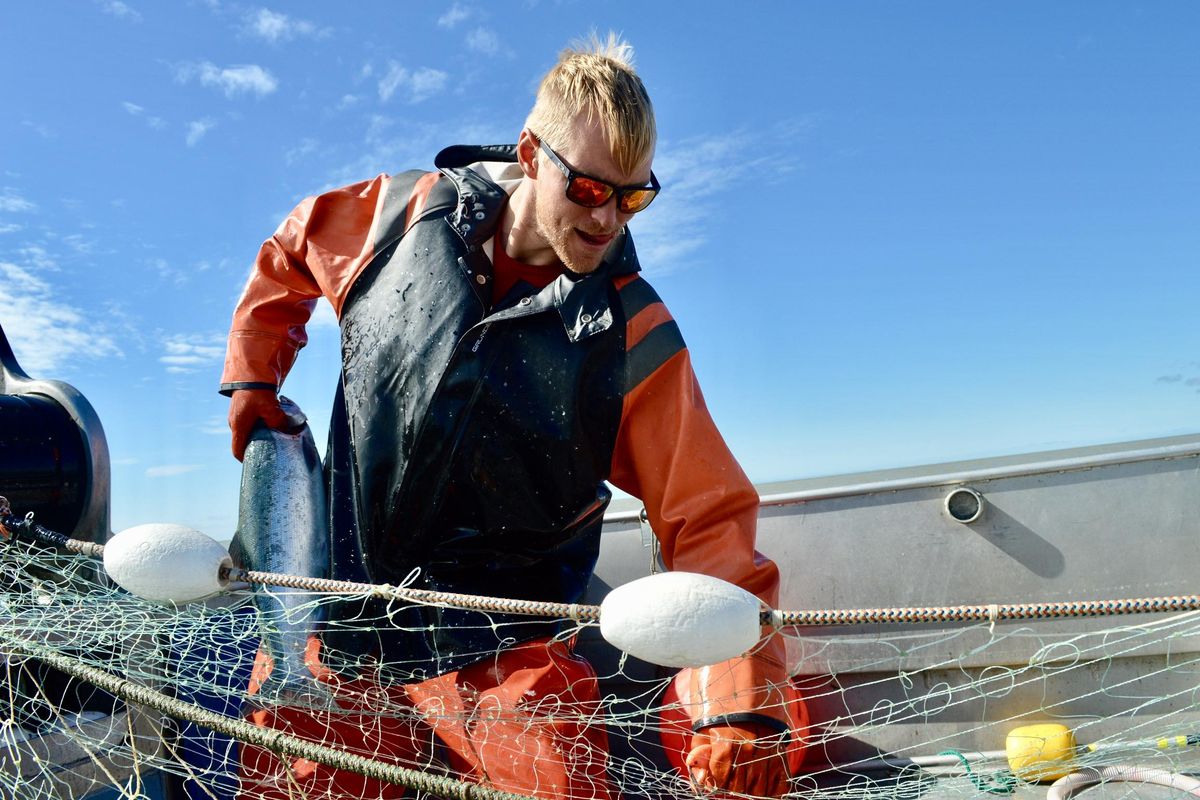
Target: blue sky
point(892, 233)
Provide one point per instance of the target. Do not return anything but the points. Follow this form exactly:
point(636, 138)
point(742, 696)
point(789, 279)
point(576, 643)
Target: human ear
point(527, 151)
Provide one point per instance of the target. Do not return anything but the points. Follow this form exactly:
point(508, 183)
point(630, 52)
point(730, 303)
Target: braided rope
point(591, 613)
point(533, 608)
point(777, 619)
point(276, 741)
point(1014, 611)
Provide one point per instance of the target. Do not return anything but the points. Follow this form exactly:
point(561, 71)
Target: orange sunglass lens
point(588, 192)
point(632, 202)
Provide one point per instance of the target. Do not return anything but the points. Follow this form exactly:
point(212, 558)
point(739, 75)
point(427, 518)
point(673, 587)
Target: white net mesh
point(884, 711)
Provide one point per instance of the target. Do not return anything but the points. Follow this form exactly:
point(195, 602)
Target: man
point(502, 359)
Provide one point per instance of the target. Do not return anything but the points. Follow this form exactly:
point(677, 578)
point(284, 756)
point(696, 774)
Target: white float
point(681, 619)
point(166, 563)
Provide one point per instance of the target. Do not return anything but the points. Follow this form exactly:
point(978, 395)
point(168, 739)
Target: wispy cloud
point(138, 111)
point(186, 353)
point(427, 82)
point(168, 271)
point(171, 470)
point(197, 129)
point(483, 40)
point(696, 173)
point(388, 142)
point(46, 333)
point(693, 172)
point(1182, 379)
point(305, 148)
point(417, 85)
point(454, 15)
point(120, 10)
point(214, 426)
point(12, 202)
point(38, 258)
point(233, 81)
point(40, 129)
point(80, 244)
point(274, 27)
point(390, 82)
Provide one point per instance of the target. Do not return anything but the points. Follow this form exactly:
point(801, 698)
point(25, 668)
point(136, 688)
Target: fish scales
point(283, 527)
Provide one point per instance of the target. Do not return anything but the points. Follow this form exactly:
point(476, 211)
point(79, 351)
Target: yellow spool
point(1040, 752)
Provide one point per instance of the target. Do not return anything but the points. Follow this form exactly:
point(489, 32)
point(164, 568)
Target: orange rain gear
point(667, 452)
point(524, 721)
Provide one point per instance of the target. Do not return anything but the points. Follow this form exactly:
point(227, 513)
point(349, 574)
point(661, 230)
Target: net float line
point(534, 608)
point(13, 527)
point(773, 618)
point(985, 613)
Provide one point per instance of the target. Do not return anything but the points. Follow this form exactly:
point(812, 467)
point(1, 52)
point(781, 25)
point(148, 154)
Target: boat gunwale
point(774, 495)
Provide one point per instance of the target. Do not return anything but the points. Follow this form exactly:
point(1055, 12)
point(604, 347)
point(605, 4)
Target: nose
point(606, 217)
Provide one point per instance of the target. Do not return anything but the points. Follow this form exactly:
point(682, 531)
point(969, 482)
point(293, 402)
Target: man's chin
point(574, 255)
point(581, 264)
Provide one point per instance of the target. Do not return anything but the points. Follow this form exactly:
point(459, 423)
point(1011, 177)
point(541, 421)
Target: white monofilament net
point(900, 711)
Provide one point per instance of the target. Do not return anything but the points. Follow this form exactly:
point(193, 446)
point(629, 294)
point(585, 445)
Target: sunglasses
point(592, 192)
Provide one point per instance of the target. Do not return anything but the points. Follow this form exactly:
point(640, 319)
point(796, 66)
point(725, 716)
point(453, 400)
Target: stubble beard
point(559, 236)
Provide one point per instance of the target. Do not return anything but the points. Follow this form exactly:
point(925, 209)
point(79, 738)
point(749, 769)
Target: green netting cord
point(1002, 782)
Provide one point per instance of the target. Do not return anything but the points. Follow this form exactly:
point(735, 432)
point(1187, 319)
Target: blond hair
point(596, 77)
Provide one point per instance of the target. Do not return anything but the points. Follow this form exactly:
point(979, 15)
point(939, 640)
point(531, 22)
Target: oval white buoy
point(681, 619)
point(166, 563)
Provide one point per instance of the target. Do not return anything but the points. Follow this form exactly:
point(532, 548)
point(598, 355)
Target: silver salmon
point(283, 527)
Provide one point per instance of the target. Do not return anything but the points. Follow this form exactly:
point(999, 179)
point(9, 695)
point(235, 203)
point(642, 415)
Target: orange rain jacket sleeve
point(319, 250)
point(704, 511)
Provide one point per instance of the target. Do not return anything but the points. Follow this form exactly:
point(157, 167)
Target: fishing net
point(106, 695)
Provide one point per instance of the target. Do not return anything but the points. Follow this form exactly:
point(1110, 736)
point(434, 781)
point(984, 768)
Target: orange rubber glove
point(248, 406)
point(744, 757)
